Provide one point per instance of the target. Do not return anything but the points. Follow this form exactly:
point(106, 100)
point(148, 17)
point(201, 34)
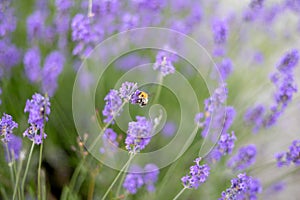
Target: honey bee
point(142, 98)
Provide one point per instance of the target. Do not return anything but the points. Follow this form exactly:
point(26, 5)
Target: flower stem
point(160, 81)
point(10, 164)
point(26, 169)
point(116, 178)
point(39, 169)
point(17, 180)
point(179, 193)
point(122, 180)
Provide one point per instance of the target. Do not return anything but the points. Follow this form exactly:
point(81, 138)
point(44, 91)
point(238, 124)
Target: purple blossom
point(134, 180)
point(53, 66)
point(127, 89)
point(14, 147)
point(289, 61)
point(38, 108)
point(134, 99)
point(225, 68)
point(220, 31)
point(243, 159)
point(110, 142)
point(169, 129)
point(36, 25)
point(292, 156)
point(6, 126)
point(256, 4)
point(217, 99)
point(129, 21)
point(32, 64)
point(150, 176)
point(63, 5)
point(227, 120)
point(138, 134)
point(8, 58)
point(112, 106)
point(225, 146)
point(164, 63)
point(242, 187)
point(255, 117)
point(197, 176)
point(8, 20)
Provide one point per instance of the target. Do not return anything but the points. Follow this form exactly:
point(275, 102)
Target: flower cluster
point(6, 126)
point(138, 134)
point(224, 147)
point(245, 157)
point(292, 156)
point(127, 89)
point(164, 63)
point(225, 68)
point(110, 142)
point(255, 117)
point(38, 108)
point(242, 187)
point(14, 146)
point(197, 176)
point(139, 177)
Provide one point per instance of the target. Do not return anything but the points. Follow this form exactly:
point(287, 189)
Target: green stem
point(115, 180)
point(10, 164)
point(17, 180)
point(75, 175)
point(91, 187)
point(26, 169)
point(179, 193)
point(122, 180)
point(39, 168)
point(158, 91)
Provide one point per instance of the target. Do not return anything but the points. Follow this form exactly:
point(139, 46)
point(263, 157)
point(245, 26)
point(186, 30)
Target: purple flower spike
point(254, 117)
point(242, 187)
point(220, 31)
point(32, 64)
point(134, 180)
point(245, 158)
point(138, 134)
point(127, 89)
point(164, 63)
point(289, 61)
point(112, 107)
point(6, 126)
point(151, 176)
point(197, 176)
point(292, 156)
point(14, 147)
point(225, 68)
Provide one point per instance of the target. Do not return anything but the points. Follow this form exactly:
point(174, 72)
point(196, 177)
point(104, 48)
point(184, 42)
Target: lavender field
point(149, 99)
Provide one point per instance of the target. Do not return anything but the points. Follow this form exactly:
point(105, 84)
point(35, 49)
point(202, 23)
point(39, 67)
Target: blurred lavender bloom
point(127, 89)
point(256, 4)
point(150, 176)
point(220, 31)
point(271, 13)
point(243, 159)
point(225, 68)
point(169, 129)
point(293, 5)
point(32, 64)
point(129, 21)
point(164, 63)
point(110, 142)
point(130, 61)
point(63, 5)
point(35, 25)
point(255, 117)
point(6, 127)
point(289, 61)
point(14, 147)
point(258, 57)
point(8, 58)
point(53, 66)
point(134, 180)
point(292, 156)
point(8, 20)
point(219, 51)
point(242, 187)
point(112, 106)
point(197, 176)
point(138, 134)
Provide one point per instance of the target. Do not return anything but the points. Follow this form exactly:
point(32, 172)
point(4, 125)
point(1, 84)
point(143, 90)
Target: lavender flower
point(8, 20)
point(197, 176)
point(39, 109)
point(150, 176)
point(52, 68)
point(6, 126)
point(220, 31)
point(169, 129)
point(243, 187)
point(164, 63)
point(134, 180)
point(256, 4)
point(225, 68)
point(289, 61)
point(109, 141)
point(14, 147)
point(35, 25)
point(8, 58)
point(112, 106)
point(32, 64)
point(224, 147)
point(138, 134)
point(127, 89)
point(255, 117)
point(292, 156)
point(245, 158)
